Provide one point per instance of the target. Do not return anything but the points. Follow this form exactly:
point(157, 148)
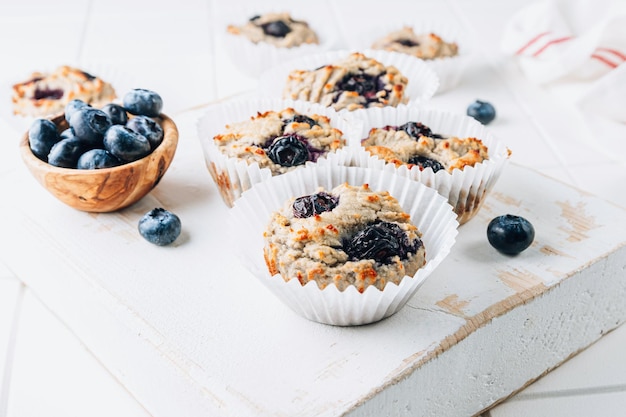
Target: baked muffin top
point(278, 29)
point(355, 82)
point(280, 140)
point(423, 45)
point(414, 144)
point(350, 235)
point(48, 93)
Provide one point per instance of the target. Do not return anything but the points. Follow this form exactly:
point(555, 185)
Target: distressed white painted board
point(186, 320)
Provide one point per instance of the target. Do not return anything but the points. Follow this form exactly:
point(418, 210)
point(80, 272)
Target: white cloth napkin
point(579, 45)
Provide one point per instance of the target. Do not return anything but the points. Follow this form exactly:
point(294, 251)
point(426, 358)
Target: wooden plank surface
point(221, 344)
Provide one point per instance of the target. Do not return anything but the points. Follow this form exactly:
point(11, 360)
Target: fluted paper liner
point(464, 189)
point(233, 175)
point(422, 80)
point(429, 211)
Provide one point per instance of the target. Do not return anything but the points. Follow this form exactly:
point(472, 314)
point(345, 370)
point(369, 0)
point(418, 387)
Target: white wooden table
point(183, 58)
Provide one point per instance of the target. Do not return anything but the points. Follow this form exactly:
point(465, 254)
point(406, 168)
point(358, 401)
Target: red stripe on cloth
point(530, 42)
point(604, 60)
point(552, 42)
point(613, 51)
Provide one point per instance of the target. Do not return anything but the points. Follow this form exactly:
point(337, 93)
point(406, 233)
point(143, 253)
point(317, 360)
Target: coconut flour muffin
point(414, 144)
point(280, 140)
point(48, 93)
point(423, 45)
point(355, 82)
point(350, 235)
point(278, 29)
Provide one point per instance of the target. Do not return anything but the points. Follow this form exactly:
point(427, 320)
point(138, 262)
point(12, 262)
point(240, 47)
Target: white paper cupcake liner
point(449, 70)
point(232, 175)
point(422, 80)
point(429, 212)
point(464, 189)
point(254, 58)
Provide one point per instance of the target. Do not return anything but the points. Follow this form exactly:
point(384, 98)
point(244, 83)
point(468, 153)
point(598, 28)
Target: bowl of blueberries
point(102, 159)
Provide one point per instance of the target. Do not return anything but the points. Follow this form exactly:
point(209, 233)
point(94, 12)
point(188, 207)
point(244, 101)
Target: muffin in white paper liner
point(449, 70)
point(465, 189)
point(255, 58)
point(232, 175)
point(119, 80)
point(429, 211)
point(422, 80)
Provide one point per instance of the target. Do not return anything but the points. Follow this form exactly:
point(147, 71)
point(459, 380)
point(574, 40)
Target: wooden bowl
point(108, 189)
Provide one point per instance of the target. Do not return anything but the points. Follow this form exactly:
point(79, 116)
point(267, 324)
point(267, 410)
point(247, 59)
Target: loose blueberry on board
point(148, 128)
point(425, 162)
point(116, 113)
point(510, 234)
point(73, 106)
point(160, 227)
point(97, 159)
point(310, 205)
point(89, 125)
point(416, 129)
point(277, 29)
point(288, 151)
point(301, 118)
point(66, 152)
point(482, 111)
point(42, 136)
point(381, 242)
point(125, 144)
point(140, 101)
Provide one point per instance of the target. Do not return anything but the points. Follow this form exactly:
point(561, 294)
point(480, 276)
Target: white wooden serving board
point(191, 333)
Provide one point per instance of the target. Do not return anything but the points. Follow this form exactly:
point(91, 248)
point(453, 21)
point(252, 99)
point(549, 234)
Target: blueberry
point(277, 29)
point(125, 144)
point(510, 234)
point(407, 42)
point(42, 135)
point(301, 118)
point(67, 133)
point(381, 242)
point(50, 93)
point(143, 102)
point(425, 162)
point(116, 113)
point(288, 151)
point(97, 159)
point(148, 128)
point(310, 205)
point(159, 226)
point(66, 152)
point(89, 124)
point(482, 111)
point(416, 129)
point(73, 106)
point(364, 84)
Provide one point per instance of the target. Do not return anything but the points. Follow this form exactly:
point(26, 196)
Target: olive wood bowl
point(107, 189)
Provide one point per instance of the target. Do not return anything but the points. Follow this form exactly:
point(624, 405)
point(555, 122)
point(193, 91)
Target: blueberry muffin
point(355, 82)
point(280, 140)
point(423, 45)
point(350, 235)
point(278, 29)
point(48, 93)
point(414, 144)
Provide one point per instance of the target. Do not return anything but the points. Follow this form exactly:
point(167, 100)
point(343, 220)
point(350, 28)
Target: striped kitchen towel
point(581, 42)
